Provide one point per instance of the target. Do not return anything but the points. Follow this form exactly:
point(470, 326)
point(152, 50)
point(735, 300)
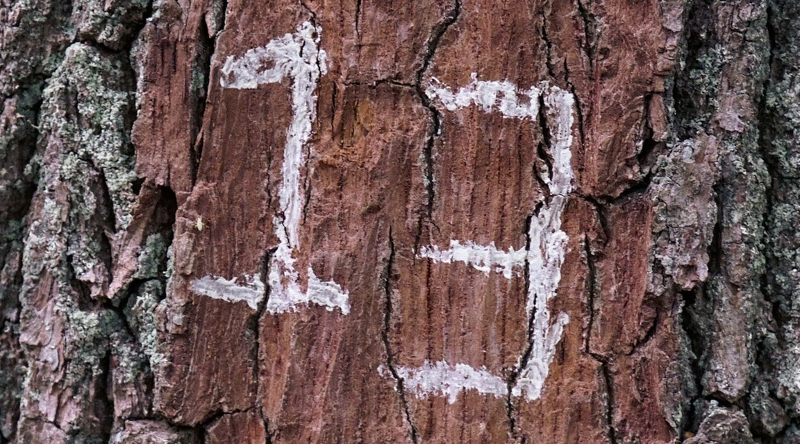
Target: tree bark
point(435, 221)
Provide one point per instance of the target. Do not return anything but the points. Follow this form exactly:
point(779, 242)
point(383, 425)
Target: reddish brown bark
point(157, 166)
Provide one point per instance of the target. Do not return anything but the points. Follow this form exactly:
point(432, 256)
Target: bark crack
point(590, 36)
point(609, 382)
point(202, 427)
point(358, 19)
point(310, 11)
point(255, 322)
point(591, 294)
point(436, 117)
point(387, 345)
point(204, 57)
point(513, 376)
point(578, 106)
point(386, 80)
point(270, 435)
point(548, 47)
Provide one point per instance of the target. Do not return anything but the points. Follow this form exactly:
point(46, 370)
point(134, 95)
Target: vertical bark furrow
point(717, 109)
point(436, 118)
point(773, 405)
point(387, 344)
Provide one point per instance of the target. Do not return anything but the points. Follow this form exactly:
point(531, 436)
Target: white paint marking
point(443, 379)
point(482, 257)
point(486, 95)
point(252, 292)
point(548, 241)
point(548, 248)
point(298, 57)
point(288, 297)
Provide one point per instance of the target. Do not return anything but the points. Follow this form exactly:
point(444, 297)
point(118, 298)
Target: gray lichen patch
point(783, 283)
point(64, 384)
point(722, 426)
point(97, 348)
point(35, 34)
point(783, 127)
point(141, 315)
point(82, 206)
point(717, 101)
point(88, 336)
point(780, 142)
point(150, 432)
point(88, 107)
point(111, 23)
point(87, 182)
point(766, 414)
point(152, 257)
point(685, 211)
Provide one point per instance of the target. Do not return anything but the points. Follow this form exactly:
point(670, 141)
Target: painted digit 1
point(298, 57)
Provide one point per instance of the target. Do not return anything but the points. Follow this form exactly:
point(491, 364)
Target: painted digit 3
point(544, 258)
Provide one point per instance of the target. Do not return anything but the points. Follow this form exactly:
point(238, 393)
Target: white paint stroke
point(548, 242)
point(489, 95)
point(252, 292)
point(548, 248)
point(287, 297)
point(482, 257)
point(441, 378)
point(298, 57)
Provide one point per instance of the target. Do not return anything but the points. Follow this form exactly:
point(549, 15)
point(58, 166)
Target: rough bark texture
point(171, 172)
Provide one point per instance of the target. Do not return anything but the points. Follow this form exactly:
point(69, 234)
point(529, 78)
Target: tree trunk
point(350, 221)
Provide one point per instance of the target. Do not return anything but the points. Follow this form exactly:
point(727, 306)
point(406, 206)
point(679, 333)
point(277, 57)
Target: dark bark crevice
point(692, 334)
point(578, 105)
point(270, 434)
point(591, 292)
point(358, 19)
point(548, 45)
point(591, 289)
point(544, 148)
point(650, 147)
point(387, 344)
point(105, 393)
point(310, 11)
point(773, 338)
point(590, 33)
point(513, 376)
point(382, 81)
point(254, 323)
point(610, 405)
point(202, 427)
point(204, 56)
point(436, 117)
